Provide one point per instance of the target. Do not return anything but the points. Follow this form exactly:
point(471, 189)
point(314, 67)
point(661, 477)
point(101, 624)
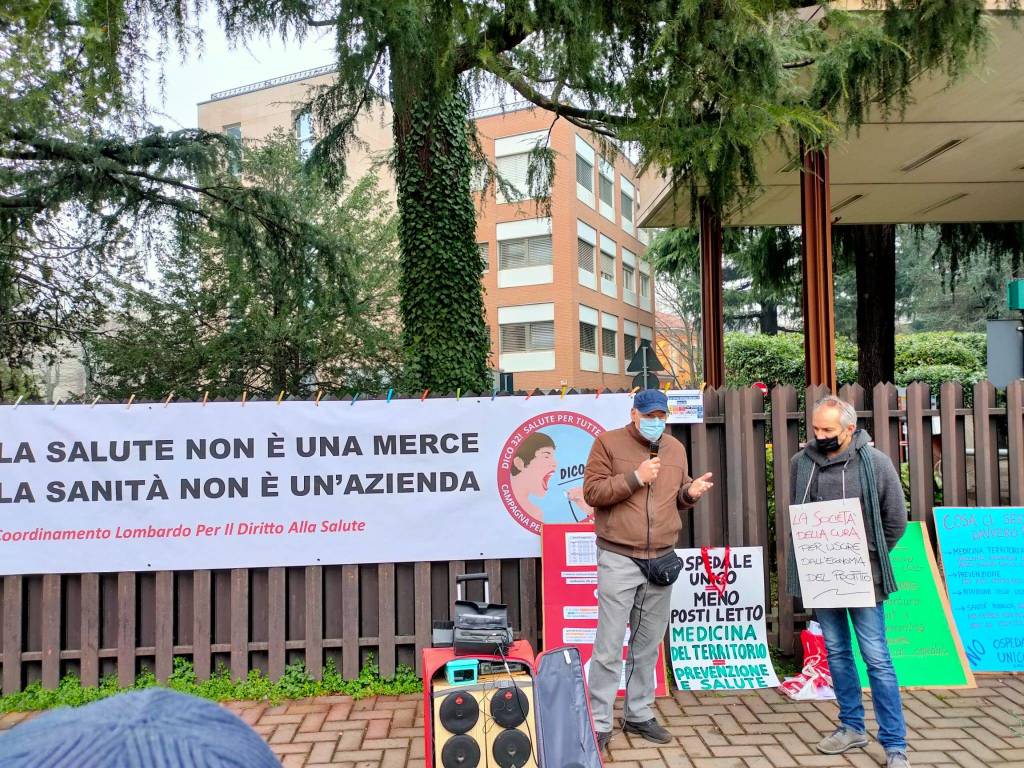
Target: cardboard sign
point(983, 560)
point(569, 595)
point(832, 554)
point(718, 639)
point(923, 642)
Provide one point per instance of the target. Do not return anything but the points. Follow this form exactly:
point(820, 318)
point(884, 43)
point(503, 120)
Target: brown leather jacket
point(622, 505)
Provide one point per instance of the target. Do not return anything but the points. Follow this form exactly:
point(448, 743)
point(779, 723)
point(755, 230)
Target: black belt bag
point(660, 571)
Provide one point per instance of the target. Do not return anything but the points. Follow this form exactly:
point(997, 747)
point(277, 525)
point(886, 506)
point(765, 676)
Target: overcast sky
point(219, 67)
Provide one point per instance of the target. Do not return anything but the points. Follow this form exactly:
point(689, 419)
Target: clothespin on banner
point(58, 402)
point(280, 397)
point(634, 390)
point(245, 394)
point(391, 393)
point(458, 394)
point(319, 394)
point(206, 396)
point(424, 395)
point(702, 385)
point(354, 397)
point(494, 394)
point(17, 402)
point(563, 391)
point(666, 387)
point(92, 405)
point(599, 391)
point(531, 393)
point(130, 401)
point(170, 397)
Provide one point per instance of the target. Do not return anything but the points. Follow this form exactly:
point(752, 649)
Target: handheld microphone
point(653, 449)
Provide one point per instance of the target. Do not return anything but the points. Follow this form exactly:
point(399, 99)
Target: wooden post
point(712, 322)
point(818, 303)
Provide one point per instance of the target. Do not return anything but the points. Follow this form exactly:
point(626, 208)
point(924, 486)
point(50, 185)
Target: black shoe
point(603, 737)
point(650, 730)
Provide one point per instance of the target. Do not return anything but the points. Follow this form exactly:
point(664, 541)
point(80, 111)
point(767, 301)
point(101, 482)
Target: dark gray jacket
point(827, 484)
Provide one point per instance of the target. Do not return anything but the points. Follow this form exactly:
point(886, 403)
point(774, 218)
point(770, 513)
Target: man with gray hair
point(839, 463)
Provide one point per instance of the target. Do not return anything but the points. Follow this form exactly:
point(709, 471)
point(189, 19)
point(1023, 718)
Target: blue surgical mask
point(652, 429)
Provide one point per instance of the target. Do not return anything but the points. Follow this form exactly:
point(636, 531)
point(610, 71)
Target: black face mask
point(828, 444)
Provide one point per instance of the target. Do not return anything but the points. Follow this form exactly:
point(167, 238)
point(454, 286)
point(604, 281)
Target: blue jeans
point(869, 625)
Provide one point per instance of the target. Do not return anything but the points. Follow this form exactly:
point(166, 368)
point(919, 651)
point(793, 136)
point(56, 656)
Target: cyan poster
point(983, 563)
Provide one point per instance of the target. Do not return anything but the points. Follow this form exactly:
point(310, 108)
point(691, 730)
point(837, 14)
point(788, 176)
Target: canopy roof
point(955, 155)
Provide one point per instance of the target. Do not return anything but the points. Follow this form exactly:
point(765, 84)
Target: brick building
point(567, 293)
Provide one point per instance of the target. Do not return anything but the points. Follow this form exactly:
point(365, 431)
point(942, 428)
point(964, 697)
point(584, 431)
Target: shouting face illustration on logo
point(541, 473)
point(532, 469)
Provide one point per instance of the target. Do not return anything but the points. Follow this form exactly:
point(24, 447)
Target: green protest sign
point(925, 647)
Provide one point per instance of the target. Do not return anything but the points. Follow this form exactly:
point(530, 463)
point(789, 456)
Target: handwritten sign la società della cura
point(832, 557)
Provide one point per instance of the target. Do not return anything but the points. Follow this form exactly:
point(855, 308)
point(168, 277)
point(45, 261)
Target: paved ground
point(979, 728)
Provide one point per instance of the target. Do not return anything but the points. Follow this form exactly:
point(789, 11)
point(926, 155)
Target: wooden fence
point(265, 618)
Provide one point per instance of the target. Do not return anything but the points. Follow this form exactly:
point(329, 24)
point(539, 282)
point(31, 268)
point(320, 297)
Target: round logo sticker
point(540, 469)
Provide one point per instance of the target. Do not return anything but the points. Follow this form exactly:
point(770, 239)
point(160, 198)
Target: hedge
point(933, 357)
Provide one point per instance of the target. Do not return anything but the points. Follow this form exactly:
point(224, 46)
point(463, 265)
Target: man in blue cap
point(638, 482)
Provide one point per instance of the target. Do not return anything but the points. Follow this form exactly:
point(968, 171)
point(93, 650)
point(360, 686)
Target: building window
point(628, 278)
point(513, 171)
point(477, 177)
point(645, 285)
point(528, 337)
point(606, 190)
point(584, 173)
point(235, 152)
point(586, 255)
point(607, 267)
point(485, 255)
point(525, 252)
point(626, 203)
point(304, 133)
point(588, 338)
point(628, 346)
point(608, 342)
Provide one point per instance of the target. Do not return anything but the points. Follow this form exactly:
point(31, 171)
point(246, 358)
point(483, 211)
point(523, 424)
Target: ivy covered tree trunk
point(445, 337)
point(874, 253)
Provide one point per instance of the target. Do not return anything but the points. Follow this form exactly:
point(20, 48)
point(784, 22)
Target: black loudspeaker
point(509, 706)
point(489, 724)
point(460, 752)
point(459, 712)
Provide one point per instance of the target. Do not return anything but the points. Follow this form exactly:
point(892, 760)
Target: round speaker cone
point(509, 707)
point(459, 712)
point(512, 749)
point(460, 752)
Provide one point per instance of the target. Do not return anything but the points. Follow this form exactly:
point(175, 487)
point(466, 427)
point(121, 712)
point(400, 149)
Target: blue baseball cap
point(650, 400)
point(154, 728)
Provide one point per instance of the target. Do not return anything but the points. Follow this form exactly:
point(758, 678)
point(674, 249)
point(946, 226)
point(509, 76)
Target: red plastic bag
point(815, 680)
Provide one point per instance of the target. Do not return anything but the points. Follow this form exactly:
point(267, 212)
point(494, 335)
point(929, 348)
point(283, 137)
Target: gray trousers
point(624, 596)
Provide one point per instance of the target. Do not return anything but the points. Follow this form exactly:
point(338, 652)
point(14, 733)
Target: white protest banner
point(718, 635)
point(231, 485)
point(832, 558)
